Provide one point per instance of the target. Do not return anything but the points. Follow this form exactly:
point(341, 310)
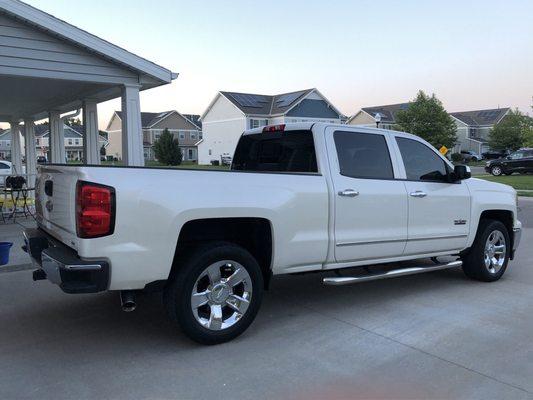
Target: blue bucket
point(4, 252)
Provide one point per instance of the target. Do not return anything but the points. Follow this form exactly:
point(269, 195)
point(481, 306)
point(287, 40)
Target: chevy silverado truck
point(298, 198)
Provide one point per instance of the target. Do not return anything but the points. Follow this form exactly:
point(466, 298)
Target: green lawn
point(519, 182)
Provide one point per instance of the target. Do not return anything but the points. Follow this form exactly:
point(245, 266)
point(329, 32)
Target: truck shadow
point(59, 322)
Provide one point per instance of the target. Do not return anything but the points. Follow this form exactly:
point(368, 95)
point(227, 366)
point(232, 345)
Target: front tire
point(216, 293)
point(488, 257)
point(496, 170)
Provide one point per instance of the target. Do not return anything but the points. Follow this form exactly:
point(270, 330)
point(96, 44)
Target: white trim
point(224, 120)
point(82, 38)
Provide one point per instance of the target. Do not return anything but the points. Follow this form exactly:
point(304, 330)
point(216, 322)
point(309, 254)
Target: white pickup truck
point(298, 198)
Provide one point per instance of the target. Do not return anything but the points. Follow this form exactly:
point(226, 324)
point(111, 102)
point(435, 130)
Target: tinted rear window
point(291, 151)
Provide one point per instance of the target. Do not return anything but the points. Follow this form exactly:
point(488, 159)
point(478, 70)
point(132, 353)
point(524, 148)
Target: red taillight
point(95, 210)
point(274, 128)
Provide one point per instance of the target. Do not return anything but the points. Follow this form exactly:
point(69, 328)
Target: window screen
point(363, 155)
point(291, 151)
point(421, 163)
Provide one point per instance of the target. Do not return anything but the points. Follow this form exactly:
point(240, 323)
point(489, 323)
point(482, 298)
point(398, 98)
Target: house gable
point(174, 121)
point(115, 123)
point(313, 109)
point(361, 118)
point(221, 109)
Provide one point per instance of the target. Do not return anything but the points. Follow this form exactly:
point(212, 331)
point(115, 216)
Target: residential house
point(73, 142)
point(230, 113)
point(184, 127)
point(473, 127)
point(387, 114)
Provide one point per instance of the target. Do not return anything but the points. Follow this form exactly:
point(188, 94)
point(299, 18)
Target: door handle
point(349, 193)
point(418, 193)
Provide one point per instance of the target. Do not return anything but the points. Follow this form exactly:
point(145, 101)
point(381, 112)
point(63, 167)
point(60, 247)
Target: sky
point(471, 54)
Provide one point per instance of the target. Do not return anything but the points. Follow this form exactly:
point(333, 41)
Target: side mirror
point(461, 172)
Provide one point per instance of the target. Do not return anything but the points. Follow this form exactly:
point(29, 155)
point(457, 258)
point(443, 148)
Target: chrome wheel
point(221, 295)
point(495, 251)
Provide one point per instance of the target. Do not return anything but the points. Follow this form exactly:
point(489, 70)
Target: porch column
point(57, 138)
point(132, 140)
point(30, 151)
point(16, 157)
point(91, 149)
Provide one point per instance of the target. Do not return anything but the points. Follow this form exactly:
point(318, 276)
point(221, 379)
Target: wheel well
point(253, 234)
point(504, 216)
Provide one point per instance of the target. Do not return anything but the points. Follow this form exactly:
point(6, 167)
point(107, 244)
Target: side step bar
point(347, 280)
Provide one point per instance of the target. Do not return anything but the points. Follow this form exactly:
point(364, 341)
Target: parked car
point(520, 161)
point(298, 198)
point(494, 154)
point(469, 156)
point(41, 160)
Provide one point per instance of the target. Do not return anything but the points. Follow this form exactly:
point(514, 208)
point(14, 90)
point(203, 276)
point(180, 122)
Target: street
point(436, 335)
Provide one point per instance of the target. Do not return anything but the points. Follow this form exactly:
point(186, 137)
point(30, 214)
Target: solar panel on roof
point(287, 99)
point(249, 100)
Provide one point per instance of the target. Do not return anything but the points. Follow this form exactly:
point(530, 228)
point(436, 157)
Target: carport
point(49, 68)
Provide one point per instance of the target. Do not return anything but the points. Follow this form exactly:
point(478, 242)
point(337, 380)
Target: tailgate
point(55, 202)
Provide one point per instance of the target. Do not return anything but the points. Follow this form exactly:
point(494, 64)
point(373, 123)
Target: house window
point(257, 123)
point(200, 136)
point(182, 135)
point(210, 152)
point(193, 135)
point(70, 142)
point(77, 142)
point(191, 154)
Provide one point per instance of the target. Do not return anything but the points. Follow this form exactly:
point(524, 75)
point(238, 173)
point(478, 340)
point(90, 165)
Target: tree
point(427, 118)
point(515, 130)
point(73, 121)
point(167, 149)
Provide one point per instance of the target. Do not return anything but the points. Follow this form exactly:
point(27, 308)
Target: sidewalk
point(12, 232)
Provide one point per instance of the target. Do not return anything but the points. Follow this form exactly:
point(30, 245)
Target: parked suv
point(520, 161)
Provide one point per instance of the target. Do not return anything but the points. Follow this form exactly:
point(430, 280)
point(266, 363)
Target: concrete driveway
point(437, 335)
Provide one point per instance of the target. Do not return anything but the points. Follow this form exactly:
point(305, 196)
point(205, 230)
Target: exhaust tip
point(127, 301)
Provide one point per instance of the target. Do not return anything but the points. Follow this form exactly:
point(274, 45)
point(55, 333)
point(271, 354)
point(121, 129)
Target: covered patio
point(52, 70)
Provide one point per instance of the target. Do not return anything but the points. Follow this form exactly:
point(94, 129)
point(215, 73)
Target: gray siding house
point(185, 127)
point(473, 127)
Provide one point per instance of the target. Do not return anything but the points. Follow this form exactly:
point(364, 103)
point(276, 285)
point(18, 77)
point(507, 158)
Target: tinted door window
point(363, 155)
point(292, 151)
point(421, 163)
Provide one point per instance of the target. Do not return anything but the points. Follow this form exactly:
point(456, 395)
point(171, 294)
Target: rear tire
point(488, 257)
point(216, 292)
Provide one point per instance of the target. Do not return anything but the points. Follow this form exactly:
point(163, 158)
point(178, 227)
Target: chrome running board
point(347, 280)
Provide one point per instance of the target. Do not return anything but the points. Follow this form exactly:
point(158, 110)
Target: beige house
point(185, 127)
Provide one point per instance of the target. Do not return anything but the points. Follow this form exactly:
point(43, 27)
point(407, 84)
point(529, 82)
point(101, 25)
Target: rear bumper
point(62, 265)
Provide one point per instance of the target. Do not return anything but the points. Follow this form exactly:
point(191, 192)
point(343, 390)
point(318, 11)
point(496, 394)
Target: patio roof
point(47, 63)
point(49, 67)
